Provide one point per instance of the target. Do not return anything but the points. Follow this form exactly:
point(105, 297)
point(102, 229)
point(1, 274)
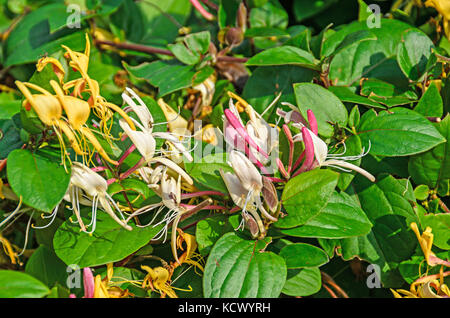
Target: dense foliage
point(224, 148)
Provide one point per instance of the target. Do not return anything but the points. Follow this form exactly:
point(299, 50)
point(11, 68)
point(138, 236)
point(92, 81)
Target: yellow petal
point(56, 65)
point(77, 110)
point(1, 192)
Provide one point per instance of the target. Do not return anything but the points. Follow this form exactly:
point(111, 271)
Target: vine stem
point(155, 50)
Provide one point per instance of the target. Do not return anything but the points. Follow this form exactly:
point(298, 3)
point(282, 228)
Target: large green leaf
point(209, 231)
point(15, 284)
point(340, 218)
point(367, 59)
point(433, 166)
point(326, 106)
point(387, 204)
point(238, 268)
point(110, 242)
point(39, 33)
point(305, 195)
point(42, 183)
point(440, 224)
point(46, 266)
point(398, 132)
point(283, 55)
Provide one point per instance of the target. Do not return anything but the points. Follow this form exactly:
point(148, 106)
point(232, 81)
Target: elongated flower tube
point(95, 188)
point(56, 66)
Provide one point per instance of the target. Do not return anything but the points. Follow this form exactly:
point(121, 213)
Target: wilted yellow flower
point(158, 278)
point(443, 7)
point(105, 288)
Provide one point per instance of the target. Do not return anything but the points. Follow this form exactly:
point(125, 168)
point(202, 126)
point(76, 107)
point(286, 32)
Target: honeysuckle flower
point(431, 286)
point(316, 151)
point(426, 242)
point(158, 278)
point(245, 186)
point(443, 7)
point(189, 256)
point(261, 137)
point(206, 89)
point(94, 188)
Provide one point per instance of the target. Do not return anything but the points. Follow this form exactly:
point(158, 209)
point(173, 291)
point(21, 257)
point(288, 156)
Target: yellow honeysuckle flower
point(49, 111)
point(175, 122)
point(103, 288)
point(56, 65)
point(426, 242)
point(157, 278)
point(443, 7)
point(80, 62)
point(189, 256)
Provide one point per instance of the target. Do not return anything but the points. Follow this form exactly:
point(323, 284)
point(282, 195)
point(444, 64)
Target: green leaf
point(9, 137)
point(46, 266)
point(109, 243)
point(209, 231)
point(387, 204)
point(352, 39)
point(397, 132)
point(271, 14)
point(283, 55)
point(340, 218)
point(300, 255)
point(189, 51)
point(440, 224)
point(421, 192)
point(266, 82)
point(14, 284)
point(9, 107)
point(207, 172)
point(367, 59)
point(431, 104)
point(265, 32)
point(41, 182)
point(303, 282)
point(305, 195)
point(326, 106)
point(345, 94)
point(238, 268)
point(386, 93)
point(33, 36)
point(414, 52)
point(168, 76)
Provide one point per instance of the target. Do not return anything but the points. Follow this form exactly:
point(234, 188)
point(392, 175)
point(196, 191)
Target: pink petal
point(88, 281)
point(309, 152)
point(312, 122)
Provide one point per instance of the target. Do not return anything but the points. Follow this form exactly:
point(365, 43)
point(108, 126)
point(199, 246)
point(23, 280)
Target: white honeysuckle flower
point(245, 186)
point(143, 139)
point(94, 189)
